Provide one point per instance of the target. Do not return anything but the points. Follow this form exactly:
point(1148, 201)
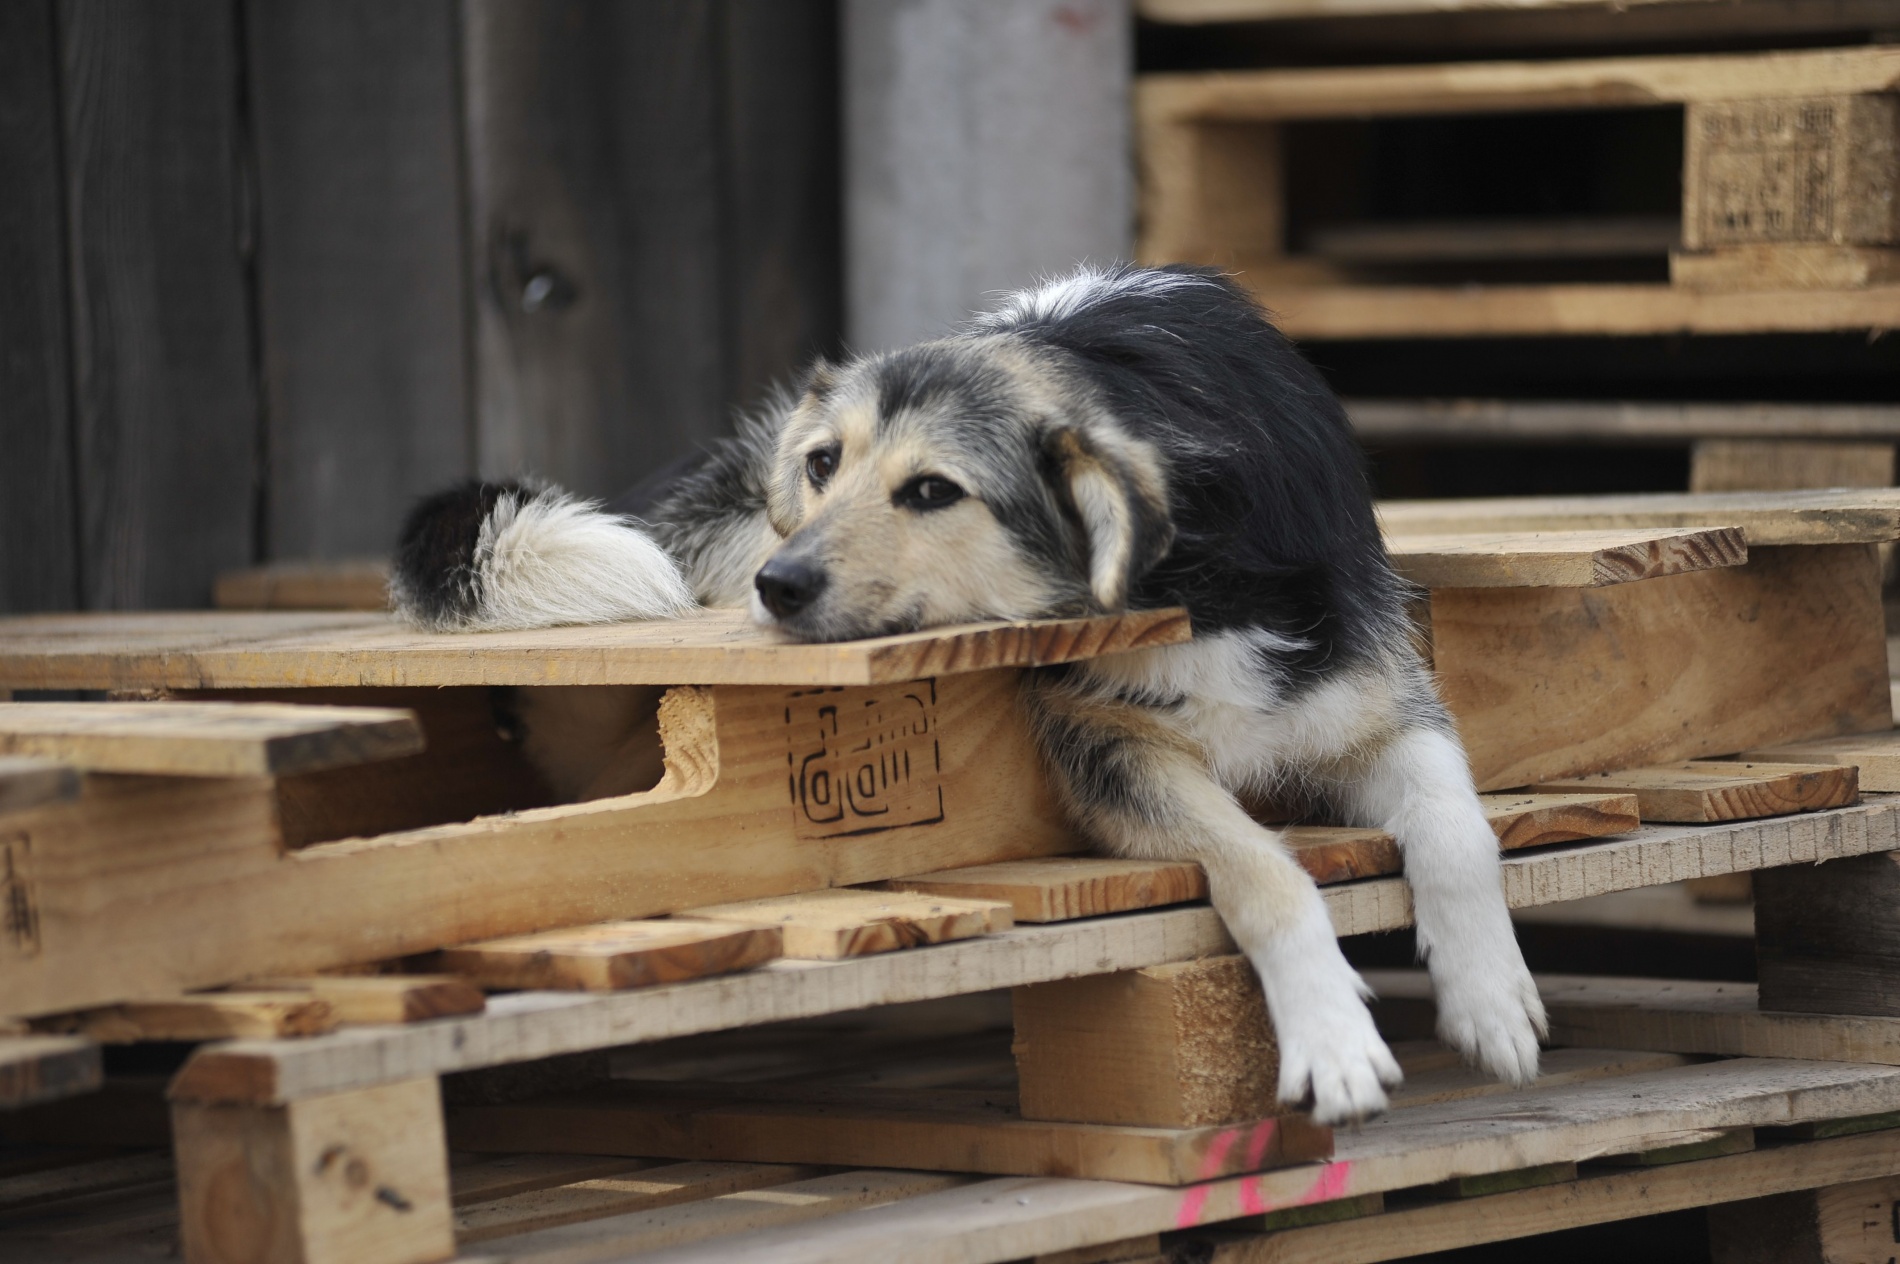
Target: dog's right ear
point(1116, 487)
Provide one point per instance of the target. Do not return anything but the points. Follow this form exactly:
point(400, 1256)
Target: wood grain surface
point(283, 649)
point(1563, 559)
point(1724, 790)
point(206, 739)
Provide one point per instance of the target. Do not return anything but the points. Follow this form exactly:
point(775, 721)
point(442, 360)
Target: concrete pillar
point(987, 142)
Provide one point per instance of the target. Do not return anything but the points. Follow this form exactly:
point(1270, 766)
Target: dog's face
point(957, 481)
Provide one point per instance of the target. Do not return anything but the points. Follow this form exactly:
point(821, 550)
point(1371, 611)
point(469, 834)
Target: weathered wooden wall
point(274, 267)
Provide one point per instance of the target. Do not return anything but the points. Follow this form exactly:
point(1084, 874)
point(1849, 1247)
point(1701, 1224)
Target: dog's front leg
point(1418, 787)
point(1140, 788)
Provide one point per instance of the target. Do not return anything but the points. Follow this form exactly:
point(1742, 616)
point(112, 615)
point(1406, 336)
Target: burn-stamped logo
point(863, 760)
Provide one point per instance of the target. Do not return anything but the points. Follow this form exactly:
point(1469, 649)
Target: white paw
point(1333, 1049)
point(1489, 1010)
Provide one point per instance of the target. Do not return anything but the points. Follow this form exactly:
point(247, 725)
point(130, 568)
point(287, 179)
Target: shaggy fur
point(1119, 438)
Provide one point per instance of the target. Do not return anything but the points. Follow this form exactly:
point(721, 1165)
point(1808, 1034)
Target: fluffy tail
point(495, 556)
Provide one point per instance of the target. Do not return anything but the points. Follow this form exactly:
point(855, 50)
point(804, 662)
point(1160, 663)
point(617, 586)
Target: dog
point(1121, 438)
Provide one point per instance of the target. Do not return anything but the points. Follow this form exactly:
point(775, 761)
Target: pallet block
point(1837, 1224)
point(1175, 1046)
point(359, 1178)
point(1827, 940)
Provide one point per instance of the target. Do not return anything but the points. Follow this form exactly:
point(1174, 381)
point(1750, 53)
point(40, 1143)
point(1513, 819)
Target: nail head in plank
point(615, 955)
point(1563, 559)
point(1066, 887)
point(1702, 791)
point(384, 998)
point(45, 1068)
point(28, 783)
point(206, 739)
point(277, 649)
point(839, 922)
point(1877, 755)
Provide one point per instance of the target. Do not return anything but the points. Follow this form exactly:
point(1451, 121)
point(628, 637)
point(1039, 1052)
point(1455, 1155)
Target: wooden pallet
point(1788, 217)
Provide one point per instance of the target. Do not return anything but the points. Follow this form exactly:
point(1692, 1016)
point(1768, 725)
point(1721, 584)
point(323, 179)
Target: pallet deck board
point(1850, 516)
point(279, 649)
point(1877, 755)
point(1477, 421)
point(1563, 559)
point(1724, 790)
point(206, 739)
point(44, 1068)
point(540, 1024)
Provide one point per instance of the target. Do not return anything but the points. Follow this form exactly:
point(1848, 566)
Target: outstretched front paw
point(1490, 1011)
point(1333, 1049)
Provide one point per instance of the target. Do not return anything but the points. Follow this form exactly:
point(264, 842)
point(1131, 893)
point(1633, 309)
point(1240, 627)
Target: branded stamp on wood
point(863, 760)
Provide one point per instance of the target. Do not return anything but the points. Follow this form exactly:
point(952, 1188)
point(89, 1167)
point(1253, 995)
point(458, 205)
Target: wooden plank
point(1502, 1182)
point(614, 955)
point(39, 568)
point(1724, 790)
point(1524, 311)
point(46, 1068)
point(1715, 1145)
point(81, 1179)
point(1512, 86)
point(995, 1220)
point(207, 1016)
point(541, 1025)
point(764, 1214)
point(1467, 240)
point(644, 1189)
point(1810, 166)
point(594, 187)
point(1709, 12)
point(356, 1178)
point(829, 925)
point(934, 1136)
point(1826, 939)
point(1564, 559)
point(1063, 888)
point(1876, 755)
point(1343, 854)
point(1725, 465)
point(1683, 1016)
point(383, 998)
point(1785, 266)
point(28, 783)
point(1847, 1222)
point(1175, 1046)
point(206, 739)
point(279, 650)
point(346, 585)
point(479, 1178)
point(1547, 683)
point(117, 893)
point(1862, 516)
point(160, 320)
point(362, 299)
point(1615, 421)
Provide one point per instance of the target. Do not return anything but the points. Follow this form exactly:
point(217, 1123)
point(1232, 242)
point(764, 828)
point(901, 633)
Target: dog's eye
point(928, 491)
point(820, 465)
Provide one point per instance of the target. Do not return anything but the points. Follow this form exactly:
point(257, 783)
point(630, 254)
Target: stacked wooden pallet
point(822, 816)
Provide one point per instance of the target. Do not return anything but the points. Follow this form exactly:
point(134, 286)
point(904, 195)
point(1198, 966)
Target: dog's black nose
point(788, 584)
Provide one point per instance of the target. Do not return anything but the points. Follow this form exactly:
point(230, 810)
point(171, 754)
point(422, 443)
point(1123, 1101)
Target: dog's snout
point(788, 584)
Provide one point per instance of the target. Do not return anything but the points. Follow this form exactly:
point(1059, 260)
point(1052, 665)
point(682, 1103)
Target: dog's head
point(975, 478)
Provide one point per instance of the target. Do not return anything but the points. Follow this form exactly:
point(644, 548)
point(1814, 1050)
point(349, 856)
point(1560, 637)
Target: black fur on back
point(1268, 489)
point(434, 574)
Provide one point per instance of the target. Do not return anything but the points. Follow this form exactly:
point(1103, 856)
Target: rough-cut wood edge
point(1858, 516)
point(540, 1024)
point(1015, 1217)
point(1702, 791)
point(347, 650)
point(214, 739)
point(1091, 887)
point(1522, 311)
point(1566, 559)
point(1512, 86)
point(1877, 755)
point(1611, 421)
point(27, 783)
point(46, 1068)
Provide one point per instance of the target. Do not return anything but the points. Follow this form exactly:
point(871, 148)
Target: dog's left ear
point(1117, 489)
